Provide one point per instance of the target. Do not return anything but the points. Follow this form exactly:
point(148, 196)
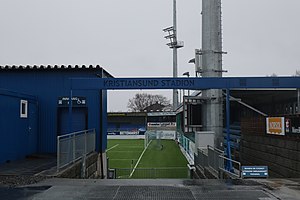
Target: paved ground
point(32, 165)
point(92, 189)
point(27, 171)
point(26, 180)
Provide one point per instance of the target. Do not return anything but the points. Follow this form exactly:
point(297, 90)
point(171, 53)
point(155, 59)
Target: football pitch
point(161, 159)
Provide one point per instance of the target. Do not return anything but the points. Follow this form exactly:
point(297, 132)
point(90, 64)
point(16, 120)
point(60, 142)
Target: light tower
point(174, 44)
point(212, 114)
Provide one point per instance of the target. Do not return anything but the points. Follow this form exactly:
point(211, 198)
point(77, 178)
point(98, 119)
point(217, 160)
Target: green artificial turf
point(124, 153)
point(167, 156)
point(162, 159)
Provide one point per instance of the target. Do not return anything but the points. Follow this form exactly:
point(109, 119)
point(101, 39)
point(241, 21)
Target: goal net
point(153, 137)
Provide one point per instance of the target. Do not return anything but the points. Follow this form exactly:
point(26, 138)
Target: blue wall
point(47, 85)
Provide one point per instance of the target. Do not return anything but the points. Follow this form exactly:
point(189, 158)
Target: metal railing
point(152, 173)
point(73, 146)
point(215, 160)
point(202, 158)
point(235, 172)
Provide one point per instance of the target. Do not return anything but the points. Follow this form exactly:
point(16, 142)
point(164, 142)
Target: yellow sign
point(275, 125)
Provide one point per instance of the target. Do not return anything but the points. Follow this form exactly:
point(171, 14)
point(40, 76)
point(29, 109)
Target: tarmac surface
point(32, 179)
point(32, 165)
point(163, 189)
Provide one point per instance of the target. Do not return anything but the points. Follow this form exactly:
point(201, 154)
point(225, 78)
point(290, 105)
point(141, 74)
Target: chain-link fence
point(73, 146)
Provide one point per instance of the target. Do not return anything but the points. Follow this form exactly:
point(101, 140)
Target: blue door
point(79, 120)
point(32, 128)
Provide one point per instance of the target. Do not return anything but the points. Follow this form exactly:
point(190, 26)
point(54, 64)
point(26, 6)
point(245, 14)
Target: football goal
point(153, 137)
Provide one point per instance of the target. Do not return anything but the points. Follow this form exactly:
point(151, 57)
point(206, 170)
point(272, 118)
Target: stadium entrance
point(225, 84)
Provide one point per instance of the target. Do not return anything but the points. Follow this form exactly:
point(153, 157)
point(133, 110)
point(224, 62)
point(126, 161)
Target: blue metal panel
point(48, 85)
point(186, 83)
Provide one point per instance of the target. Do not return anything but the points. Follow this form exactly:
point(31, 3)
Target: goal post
point(154, 136)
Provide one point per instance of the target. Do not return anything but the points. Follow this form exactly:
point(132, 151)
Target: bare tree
point(273, 75)
point(297, 73)
point(143, 100)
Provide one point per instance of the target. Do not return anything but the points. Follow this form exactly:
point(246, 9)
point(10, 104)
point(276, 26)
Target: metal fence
point(235, 172)
point(73, 146)
point(215, 160)
point(202, 158)
point(151, 173)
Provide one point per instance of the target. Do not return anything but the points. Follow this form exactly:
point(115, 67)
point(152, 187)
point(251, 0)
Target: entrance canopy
point(227, 83)
point(184, 83)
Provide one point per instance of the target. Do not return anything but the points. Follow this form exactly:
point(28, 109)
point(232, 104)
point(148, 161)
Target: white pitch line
point(139, 159)
point(112, 147)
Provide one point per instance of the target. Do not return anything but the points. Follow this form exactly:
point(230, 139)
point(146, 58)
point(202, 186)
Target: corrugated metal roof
point(47, 67)
point(50, 66)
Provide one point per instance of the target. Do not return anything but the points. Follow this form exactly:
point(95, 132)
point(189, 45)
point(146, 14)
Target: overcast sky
point(126, 37)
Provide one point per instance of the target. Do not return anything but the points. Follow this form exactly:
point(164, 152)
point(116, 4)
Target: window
point(23, 108)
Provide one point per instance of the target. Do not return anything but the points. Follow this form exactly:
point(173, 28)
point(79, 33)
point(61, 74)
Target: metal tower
point(212, 114)
point(174, 44)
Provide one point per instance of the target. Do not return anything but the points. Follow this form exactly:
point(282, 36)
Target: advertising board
point(275, 125)
point(292, 124)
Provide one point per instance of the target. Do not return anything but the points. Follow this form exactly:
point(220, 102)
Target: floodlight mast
point(212, 115)
point(174, 44)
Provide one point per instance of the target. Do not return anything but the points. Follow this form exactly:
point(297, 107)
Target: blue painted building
point(34, 108)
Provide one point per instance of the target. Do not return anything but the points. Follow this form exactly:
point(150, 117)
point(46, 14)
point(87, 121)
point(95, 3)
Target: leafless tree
point(297, 73)
point(142, 100)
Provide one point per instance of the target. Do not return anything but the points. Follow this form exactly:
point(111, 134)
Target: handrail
point(215, 149)
point(214, 159)
point(74, 133)
point(234, 161)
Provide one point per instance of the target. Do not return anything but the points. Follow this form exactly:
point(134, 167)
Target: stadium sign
point(184, 83)
point(148, 83)
point(255, 171)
